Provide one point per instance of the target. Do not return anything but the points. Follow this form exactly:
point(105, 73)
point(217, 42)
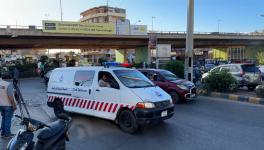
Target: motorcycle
point(51, 136)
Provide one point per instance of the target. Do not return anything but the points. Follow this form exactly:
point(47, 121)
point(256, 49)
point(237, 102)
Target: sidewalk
point(242, 95)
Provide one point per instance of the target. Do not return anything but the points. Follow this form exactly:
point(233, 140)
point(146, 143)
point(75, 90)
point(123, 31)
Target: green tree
point(176, 67)
point(221, 81)
point(260, 58)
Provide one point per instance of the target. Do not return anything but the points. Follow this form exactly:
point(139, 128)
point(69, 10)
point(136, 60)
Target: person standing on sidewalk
point(7, 106)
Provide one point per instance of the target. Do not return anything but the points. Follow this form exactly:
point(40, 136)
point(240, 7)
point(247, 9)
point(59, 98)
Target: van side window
point(154, 76)
point(105, 79)
point(84, 78)
point(62, 77)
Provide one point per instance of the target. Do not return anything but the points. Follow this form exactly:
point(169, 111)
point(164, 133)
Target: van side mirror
point(77, 83)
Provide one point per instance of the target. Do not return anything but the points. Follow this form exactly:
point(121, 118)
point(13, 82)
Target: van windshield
point(133, 79)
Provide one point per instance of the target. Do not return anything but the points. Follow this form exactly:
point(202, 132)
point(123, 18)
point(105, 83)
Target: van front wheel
point(58, 108)
point(127, 121)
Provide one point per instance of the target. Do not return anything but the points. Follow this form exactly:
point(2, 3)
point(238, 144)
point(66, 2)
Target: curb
point(234, 97)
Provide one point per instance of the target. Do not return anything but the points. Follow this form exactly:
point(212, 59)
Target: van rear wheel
point(58, 108)
point(127, 121)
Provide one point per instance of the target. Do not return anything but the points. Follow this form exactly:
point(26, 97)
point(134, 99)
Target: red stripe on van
point(65, 102)
point(115, 108)
point(102, 103)
point(110, 107)
point(78, 100)
point(74, 102)
point(88, 105)
point(69, 103)
point(49, 98)
point(92, 105)
point(96, 106)
point(121, 106)
point(63, 99)
point(106, 104)
point(84, 104)
point(80, 103)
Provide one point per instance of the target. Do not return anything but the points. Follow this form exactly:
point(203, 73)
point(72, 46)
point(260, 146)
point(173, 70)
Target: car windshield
point(250, 68)
point(133, 78)
point(169, 75)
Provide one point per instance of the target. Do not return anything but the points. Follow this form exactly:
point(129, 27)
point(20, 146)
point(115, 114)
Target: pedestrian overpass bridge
point(15, 38)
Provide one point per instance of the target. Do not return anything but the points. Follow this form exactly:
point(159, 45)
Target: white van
point(124, 95)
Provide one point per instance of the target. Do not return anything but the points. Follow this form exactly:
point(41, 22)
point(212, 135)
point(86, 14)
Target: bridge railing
point(20, 27)
point(154, 32)
point(207, 33)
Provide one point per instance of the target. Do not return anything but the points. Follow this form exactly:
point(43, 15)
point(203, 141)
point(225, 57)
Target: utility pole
point(188, 69)
point(60, 10)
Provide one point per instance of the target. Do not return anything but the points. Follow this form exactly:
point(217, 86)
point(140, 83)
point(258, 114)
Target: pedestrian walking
point(7, 107)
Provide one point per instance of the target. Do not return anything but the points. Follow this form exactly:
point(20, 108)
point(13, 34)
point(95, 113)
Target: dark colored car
point(179, 89)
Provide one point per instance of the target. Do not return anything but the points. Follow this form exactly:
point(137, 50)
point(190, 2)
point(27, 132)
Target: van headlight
point(183, 87)
point(145, 105)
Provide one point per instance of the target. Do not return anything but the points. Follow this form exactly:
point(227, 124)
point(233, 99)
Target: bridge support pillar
point(120, 55)
point(142, 55)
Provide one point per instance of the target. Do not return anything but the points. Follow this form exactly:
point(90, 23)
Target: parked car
point(208, 67)
point(179, 89)
point(261, 68)
point(245, 74)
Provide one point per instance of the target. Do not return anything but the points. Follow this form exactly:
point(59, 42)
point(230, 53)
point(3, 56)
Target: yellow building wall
point(220, 53)
point(120, 55)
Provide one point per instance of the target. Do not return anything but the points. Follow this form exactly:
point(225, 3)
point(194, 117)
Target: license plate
point(164, 113)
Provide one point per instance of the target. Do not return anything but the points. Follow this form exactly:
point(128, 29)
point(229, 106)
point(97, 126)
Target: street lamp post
point(152, 26)
point(218, 25)
point(189, 42)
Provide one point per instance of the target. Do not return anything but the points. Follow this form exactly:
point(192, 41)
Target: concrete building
point(103, 14)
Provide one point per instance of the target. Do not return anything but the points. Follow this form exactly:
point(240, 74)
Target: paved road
point(201, 125)
point(205, 124)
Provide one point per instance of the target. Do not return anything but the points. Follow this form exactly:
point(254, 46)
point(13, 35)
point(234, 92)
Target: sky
point(170, 15)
